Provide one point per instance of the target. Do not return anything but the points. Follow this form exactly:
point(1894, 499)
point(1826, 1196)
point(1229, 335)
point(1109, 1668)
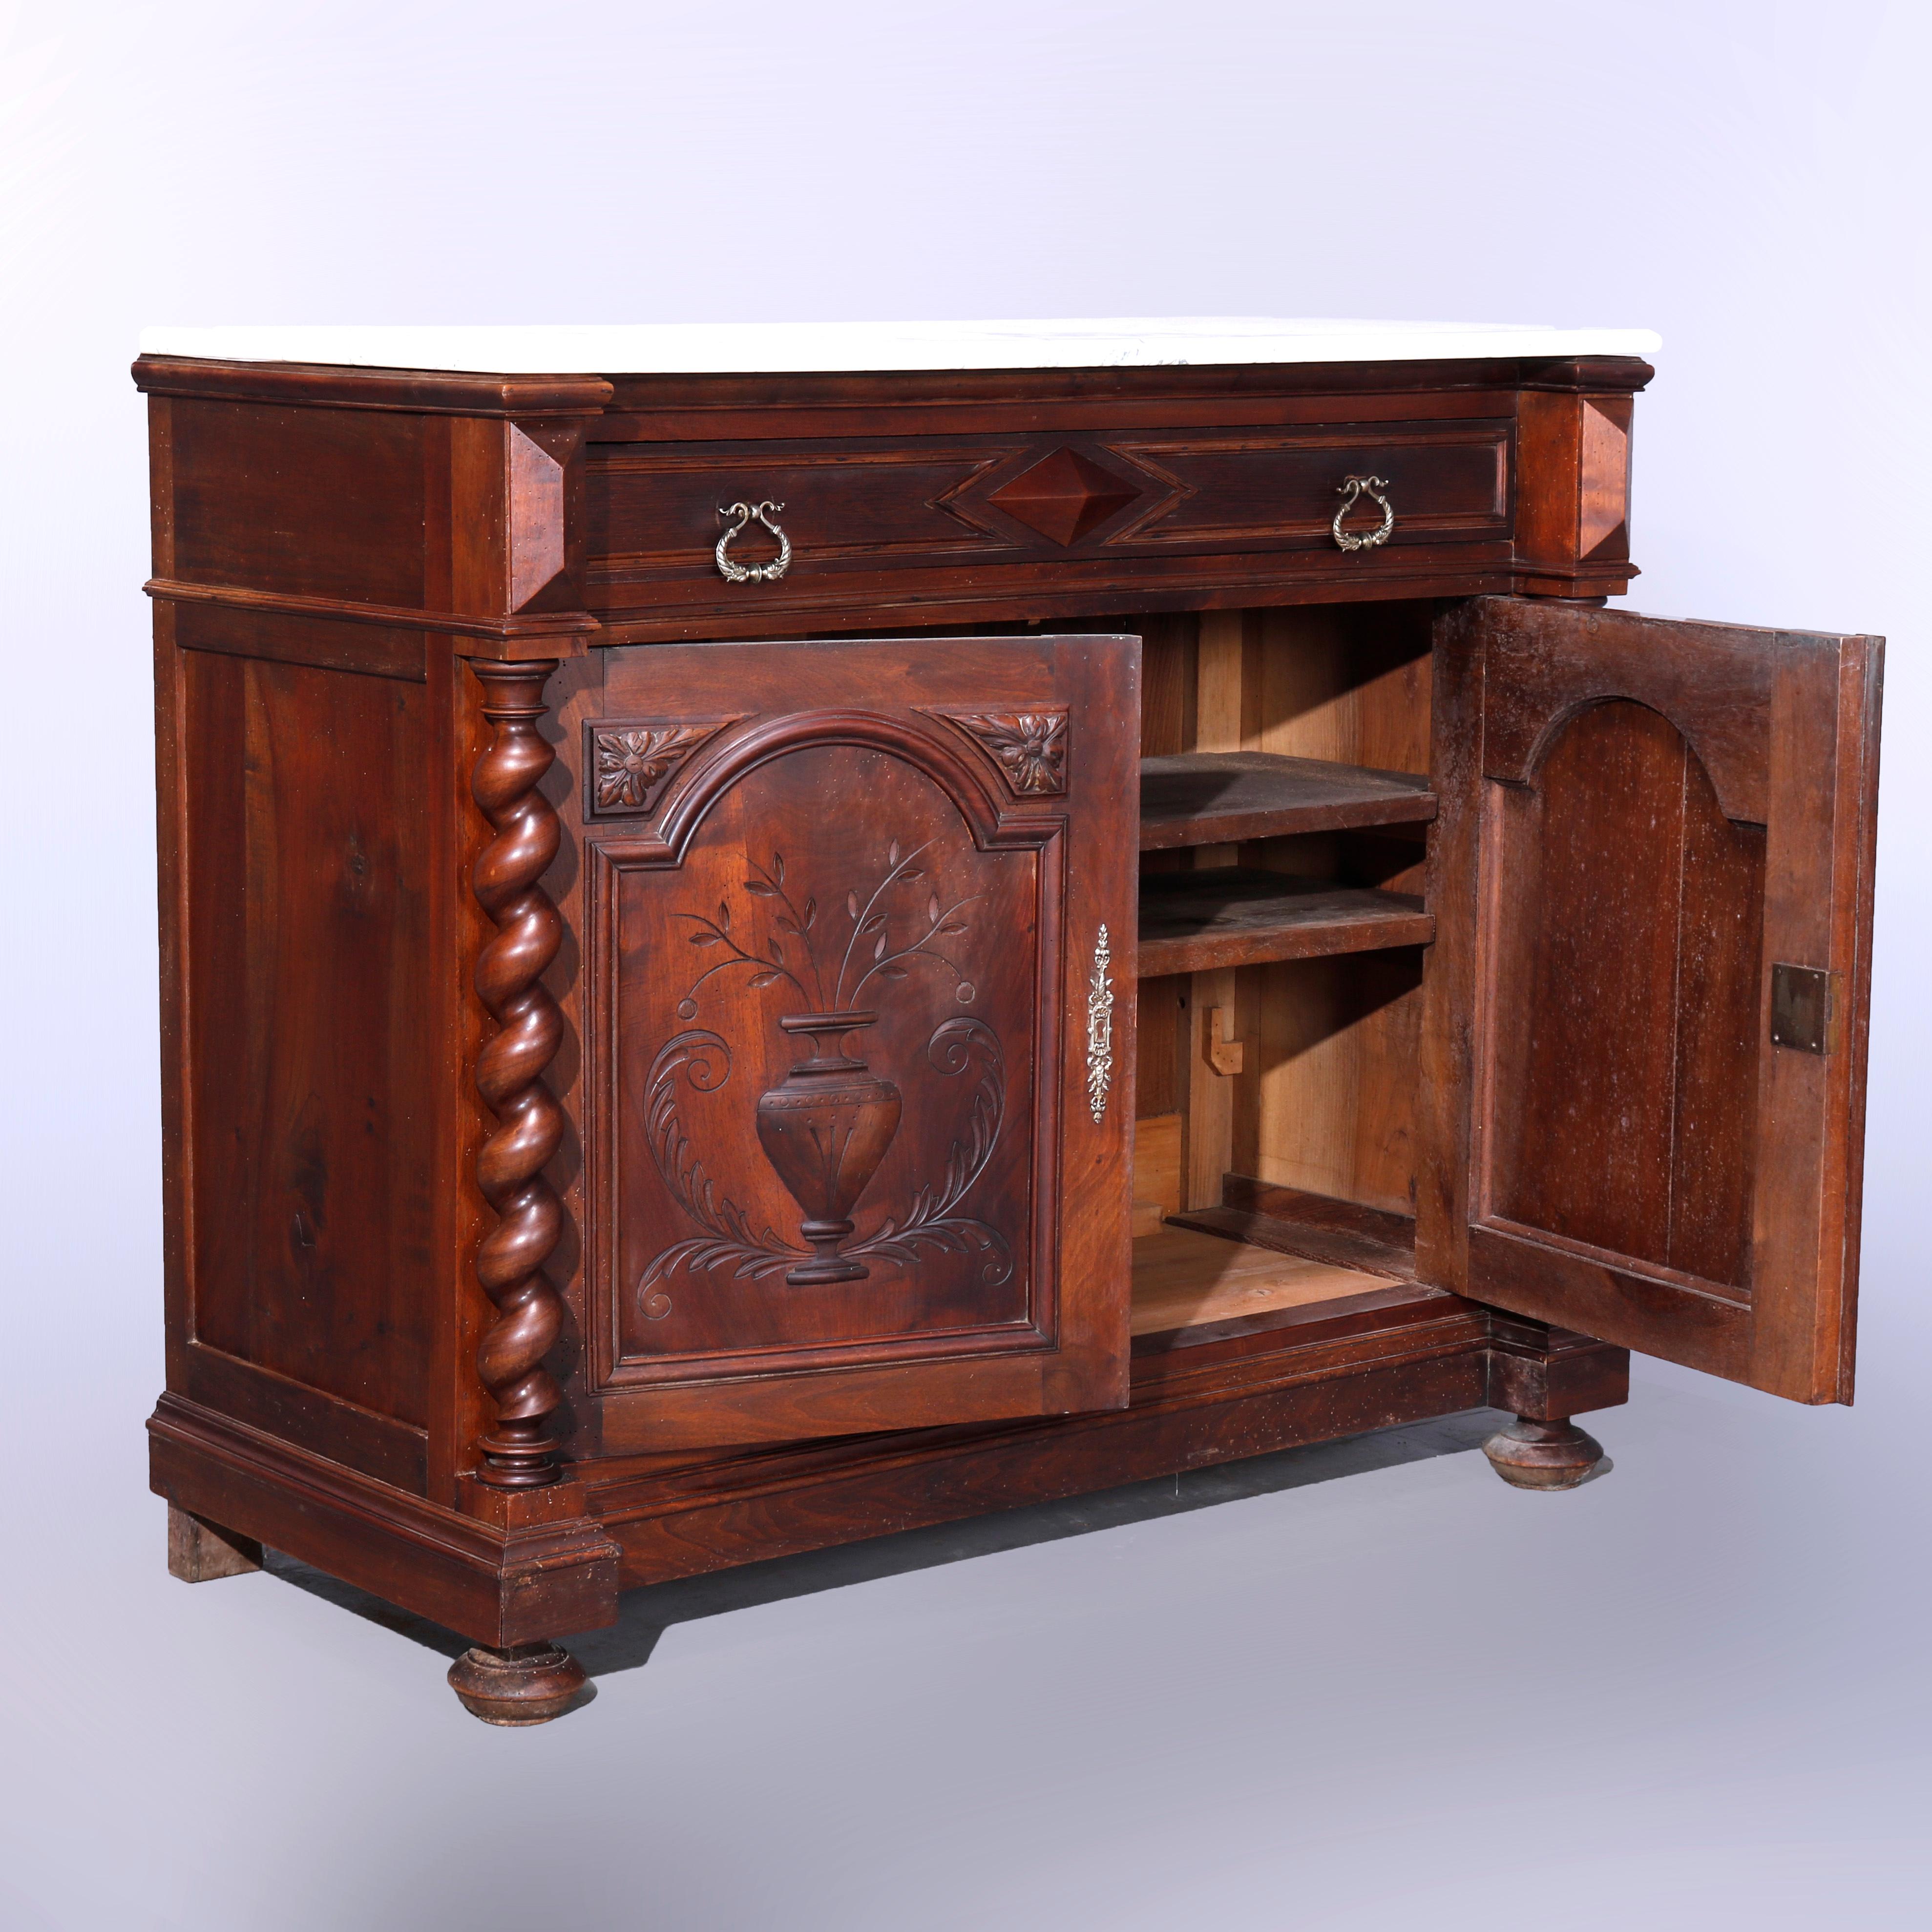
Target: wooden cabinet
point(751, 959)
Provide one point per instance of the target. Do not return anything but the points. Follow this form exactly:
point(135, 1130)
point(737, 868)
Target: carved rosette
point(1029, 747)
point(629, 763)
point(509, 1076)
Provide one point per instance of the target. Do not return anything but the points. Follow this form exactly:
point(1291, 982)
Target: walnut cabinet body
point(1083, 974)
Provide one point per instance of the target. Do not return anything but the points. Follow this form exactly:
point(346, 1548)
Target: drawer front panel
point(654, 513)
point(948, 517)
point(1272, 491)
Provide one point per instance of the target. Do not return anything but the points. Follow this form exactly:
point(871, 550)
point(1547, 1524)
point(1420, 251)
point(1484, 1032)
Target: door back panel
point(1648, 828)
point(1645, 944)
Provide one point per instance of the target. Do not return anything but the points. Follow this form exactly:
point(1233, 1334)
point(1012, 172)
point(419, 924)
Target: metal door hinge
point(1806, 1012)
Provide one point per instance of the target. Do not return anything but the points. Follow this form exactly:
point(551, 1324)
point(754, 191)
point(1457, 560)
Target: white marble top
point(776, 348)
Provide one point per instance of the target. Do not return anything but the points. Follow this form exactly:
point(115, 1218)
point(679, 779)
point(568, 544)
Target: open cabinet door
point(1644, 1080)
point(858, 914)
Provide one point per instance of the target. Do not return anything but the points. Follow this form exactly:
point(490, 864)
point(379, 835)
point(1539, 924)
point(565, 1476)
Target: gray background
point(1691, 1694)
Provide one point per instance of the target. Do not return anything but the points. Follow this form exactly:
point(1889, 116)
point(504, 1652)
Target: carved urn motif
point(825, 1128)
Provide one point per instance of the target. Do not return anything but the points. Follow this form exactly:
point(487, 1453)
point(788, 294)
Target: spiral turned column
point(516, 1454)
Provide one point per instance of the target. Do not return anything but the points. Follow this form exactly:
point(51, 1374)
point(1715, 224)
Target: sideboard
point(771, 935)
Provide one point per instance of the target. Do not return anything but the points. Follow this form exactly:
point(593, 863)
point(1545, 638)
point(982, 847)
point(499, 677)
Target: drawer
point(593, 506)
point(956, 522)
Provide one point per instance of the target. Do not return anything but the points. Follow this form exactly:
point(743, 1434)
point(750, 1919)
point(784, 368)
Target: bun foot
point(1542, 1455)
point(528, 1684)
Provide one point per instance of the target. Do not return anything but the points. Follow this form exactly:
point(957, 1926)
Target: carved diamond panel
point(1064, 496)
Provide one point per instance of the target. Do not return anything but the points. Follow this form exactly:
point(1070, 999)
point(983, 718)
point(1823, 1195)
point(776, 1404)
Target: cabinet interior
point(1285, 804)
point(1285, 808)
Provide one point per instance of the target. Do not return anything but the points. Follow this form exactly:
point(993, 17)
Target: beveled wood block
point(201, 1552)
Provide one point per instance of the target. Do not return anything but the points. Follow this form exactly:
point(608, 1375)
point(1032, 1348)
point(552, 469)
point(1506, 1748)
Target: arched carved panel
point(788, 906)
point(694, 790)
point(1714, 682)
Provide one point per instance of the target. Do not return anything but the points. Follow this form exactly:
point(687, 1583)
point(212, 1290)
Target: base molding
point(1424, 1355)
point(500, 1586)
point(513, 1571)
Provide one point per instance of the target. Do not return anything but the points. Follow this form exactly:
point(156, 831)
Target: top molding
point(344, 386)
point(743, 348)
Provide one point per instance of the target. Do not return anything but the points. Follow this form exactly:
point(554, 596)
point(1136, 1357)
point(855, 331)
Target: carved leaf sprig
point(871, 921)
point(766, 968)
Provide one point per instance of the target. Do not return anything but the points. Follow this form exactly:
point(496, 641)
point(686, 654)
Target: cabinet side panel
point(308, 502)
point(310, 1016)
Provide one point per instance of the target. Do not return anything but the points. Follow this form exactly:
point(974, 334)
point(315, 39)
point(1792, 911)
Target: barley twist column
point(509, 1076)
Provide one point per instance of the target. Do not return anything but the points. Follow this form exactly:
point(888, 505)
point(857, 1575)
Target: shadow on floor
point(645, 1614)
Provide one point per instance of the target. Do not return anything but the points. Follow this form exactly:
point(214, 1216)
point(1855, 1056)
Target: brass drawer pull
point(1372, 488)
point(752, 573)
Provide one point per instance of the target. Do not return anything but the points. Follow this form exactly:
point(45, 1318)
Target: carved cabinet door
point(1652, 885)
point(858, 917)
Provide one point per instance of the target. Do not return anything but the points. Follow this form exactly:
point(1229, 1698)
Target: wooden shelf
point(1316, 1227)
point(1185, 1280)
point(1235, 916)
point(1215, 798)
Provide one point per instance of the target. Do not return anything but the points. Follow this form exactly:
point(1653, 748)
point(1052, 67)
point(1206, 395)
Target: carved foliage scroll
point(931, 1222)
